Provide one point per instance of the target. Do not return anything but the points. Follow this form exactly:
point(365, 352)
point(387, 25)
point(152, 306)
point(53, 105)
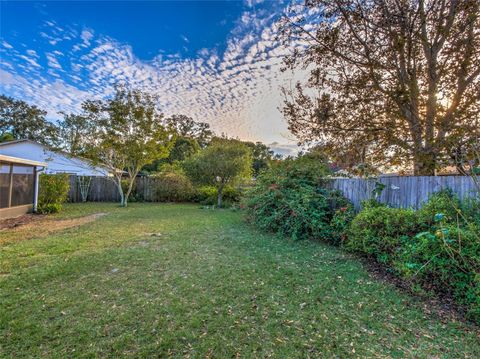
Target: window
point(23, 182)
point(4, 184)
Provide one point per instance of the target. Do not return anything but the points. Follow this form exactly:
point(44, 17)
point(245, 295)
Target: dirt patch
point(37, 226)
point(20, 221)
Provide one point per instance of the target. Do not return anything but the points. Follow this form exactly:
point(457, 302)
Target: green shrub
point(341, 222)
point(288, 199)
point(445, 202)
point(204, 194)
point(446, 258)
point(437, 246)
point(207, 195)
point(173, 187)
point(379, 231)
point(53, 191)
point(471, 210)
point(372, 203)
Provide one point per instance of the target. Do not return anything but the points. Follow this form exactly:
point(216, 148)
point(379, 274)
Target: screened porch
point(18, 185)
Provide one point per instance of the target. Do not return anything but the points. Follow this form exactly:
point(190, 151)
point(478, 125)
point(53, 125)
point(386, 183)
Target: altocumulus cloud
point(237, 91)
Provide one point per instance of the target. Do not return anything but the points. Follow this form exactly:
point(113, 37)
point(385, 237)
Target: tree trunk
point(424, 163)
point(219, 196)
point(129, 190)
point(120, 191)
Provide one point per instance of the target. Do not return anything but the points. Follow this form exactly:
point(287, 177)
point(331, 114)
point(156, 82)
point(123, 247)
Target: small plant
point(53, 191)
point(437, 247)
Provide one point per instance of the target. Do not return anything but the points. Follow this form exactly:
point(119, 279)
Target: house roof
point(16, 141)
point(49, 148)
point(57, 151)
point(22, 161)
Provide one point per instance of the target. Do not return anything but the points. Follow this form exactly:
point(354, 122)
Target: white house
point(57, 161)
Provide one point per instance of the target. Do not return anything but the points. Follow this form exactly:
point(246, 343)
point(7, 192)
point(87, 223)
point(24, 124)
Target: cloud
point(236, 91)
point(7, 45)
point(33, 53)
point(284, 149)
point(30, 60)
point(52, 61)
point(86, 36)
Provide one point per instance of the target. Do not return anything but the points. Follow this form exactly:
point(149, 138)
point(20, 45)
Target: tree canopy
point(19, 120)
point(261, 156)
point(391, 82)
point(127, 134)
point(223, 162)
point(186, 127)
point(74, 133)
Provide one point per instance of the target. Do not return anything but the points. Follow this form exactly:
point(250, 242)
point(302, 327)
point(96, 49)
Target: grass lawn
point(178, 281)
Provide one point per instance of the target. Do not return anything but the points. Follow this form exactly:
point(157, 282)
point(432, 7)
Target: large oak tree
point(392, 82)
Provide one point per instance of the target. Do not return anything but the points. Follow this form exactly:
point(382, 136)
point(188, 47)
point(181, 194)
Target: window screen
point(23, 180)
point(4, 184)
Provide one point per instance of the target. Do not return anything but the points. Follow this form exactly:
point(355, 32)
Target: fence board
point(403, 192)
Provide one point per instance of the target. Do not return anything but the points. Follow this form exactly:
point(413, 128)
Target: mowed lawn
point(160, 280)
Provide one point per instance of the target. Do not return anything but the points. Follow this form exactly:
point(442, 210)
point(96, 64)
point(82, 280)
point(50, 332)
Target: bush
point(445, 202)
point(432, 246)
point(341, 222)
point(471, 210)
point(288, 199)
point(207, 195)
point(446, 258)
point(378, 231)
point(173, 187)
point(53, 191)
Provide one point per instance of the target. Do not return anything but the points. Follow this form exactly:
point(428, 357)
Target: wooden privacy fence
point(398, 192)
point(403, 192)
point(103, 189)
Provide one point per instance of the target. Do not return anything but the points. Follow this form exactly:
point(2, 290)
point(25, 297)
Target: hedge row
point(437, 246)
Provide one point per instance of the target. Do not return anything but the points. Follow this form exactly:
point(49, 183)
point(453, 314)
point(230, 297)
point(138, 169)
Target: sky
point(216, 61)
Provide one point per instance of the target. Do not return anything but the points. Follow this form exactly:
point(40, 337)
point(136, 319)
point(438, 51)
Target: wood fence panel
point(404, 192)
point(399, 191)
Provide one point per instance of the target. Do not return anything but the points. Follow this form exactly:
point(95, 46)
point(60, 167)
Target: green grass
point(206, 285)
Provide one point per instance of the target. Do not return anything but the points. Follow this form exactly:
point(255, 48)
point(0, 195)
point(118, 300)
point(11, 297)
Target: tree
point(398, 79)
point(127, 134)
point(261, 156)
point(223, 162)
point(186, 127)
point(24, 121)
point(6, 136)
point(183, 148)
point(74, 131)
